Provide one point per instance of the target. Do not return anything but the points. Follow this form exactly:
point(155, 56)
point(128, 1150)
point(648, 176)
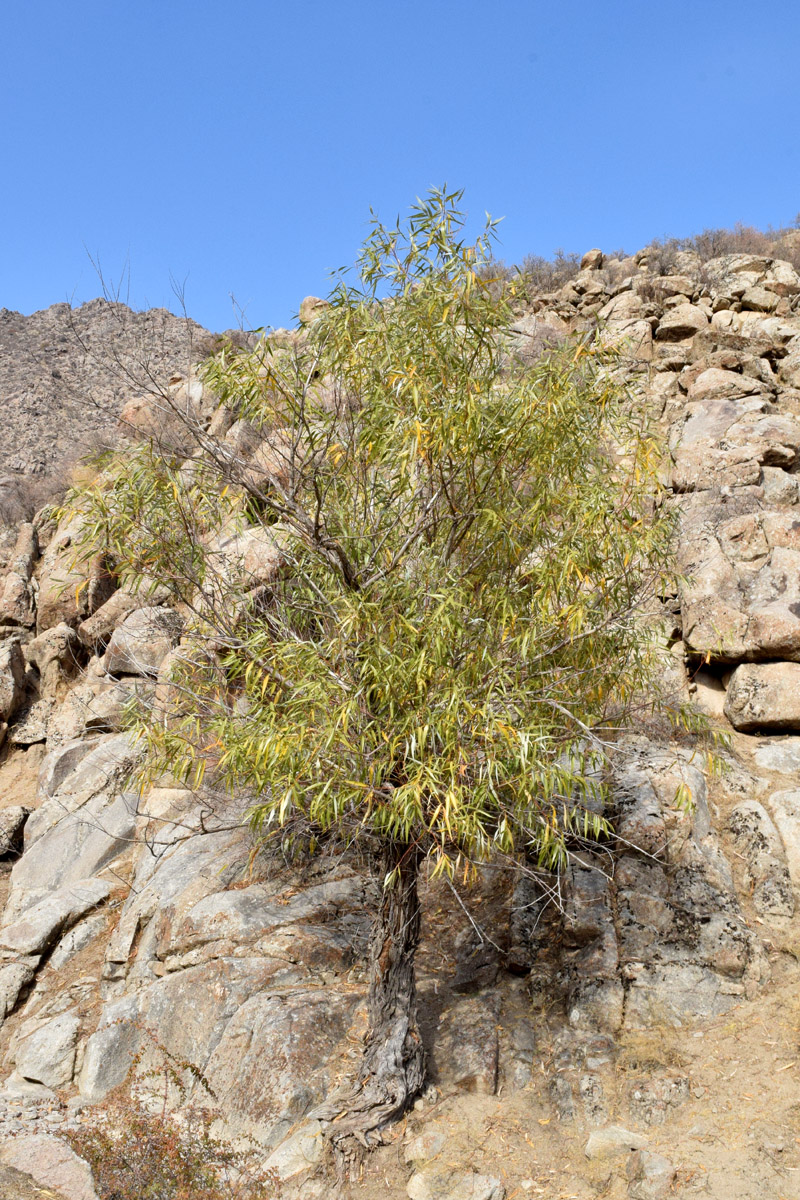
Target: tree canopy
point(469, 542)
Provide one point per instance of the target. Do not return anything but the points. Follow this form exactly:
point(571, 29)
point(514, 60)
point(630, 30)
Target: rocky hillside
point(64, 373)
point(629, 1029)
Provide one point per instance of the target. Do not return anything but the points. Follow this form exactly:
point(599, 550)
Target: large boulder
point(141, 643)
point(172, 416)
point(249, 557)
point(592, 260)
point(764, 696)
point(723, 432)
point(682, 321)
point(716, 383)
point(740, 579)
point(77, 847)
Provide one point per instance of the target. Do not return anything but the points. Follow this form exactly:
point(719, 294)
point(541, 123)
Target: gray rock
point(595, 995)
point(277, 1054)
point(682, 321)
point(12, 823)
point(62, 762)
point(74, 848)
point(561, 1095)
point(676, 994)
point(685, 950)
point(94, 351)
point(592, 260)
point(80, 936)
point(31, 724)
point(16, 598)
point(301, 1151)
point(612, 1141)
point(454, 1185)
point(14, 977)
point(170, 882)
point(593, 1097)
point(779, 487)
point(17, 1088)
point(72, 583)
point(12, 678)
point(708, 694)
point(758, 299)
point(651, 1176)
point(785, 808)
point(189, 1011)
point(634, 338)
point(718, 384)
point(246, 915)
point(248, 558)
point(424, 1147)
point(764, 696)
point(76, 773)
point(96, 630)
point(43, 924)
point(96, 706)
point(465, 1054)
point(141, 643)
point(782, 756)
point(653, 1099)
point(740, 568)
point(47, 1056)
point(110, 1050)
point(52, 1164)
point(760, 846)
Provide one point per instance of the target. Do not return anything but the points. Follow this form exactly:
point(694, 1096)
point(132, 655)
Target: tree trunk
point(393, 1067)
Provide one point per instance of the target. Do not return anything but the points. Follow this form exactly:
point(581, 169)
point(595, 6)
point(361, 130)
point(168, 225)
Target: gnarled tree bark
point(392, 1070)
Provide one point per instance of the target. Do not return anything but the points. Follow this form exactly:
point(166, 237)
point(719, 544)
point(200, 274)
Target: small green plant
point(139, 1150)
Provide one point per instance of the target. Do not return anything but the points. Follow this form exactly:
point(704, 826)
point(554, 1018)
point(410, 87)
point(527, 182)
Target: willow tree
point(469, 543)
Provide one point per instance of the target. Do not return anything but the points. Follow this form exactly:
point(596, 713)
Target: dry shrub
point(549, 274)
point(788, 248)
point(714, 243)
point(534, 276)
point(662, 255)
point(138, 1150)
point(742, 239)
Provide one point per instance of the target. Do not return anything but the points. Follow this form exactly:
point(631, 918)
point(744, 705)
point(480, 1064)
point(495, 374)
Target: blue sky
point(238, 146)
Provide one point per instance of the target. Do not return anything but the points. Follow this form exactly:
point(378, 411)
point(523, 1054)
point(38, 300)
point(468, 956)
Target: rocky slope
point(64, 373)
point(628, 1030)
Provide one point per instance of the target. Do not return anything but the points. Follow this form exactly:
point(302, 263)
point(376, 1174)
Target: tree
point(468, 544)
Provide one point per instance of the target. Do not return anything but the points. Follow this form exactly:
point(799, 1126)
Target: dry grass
point(139, 1149)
